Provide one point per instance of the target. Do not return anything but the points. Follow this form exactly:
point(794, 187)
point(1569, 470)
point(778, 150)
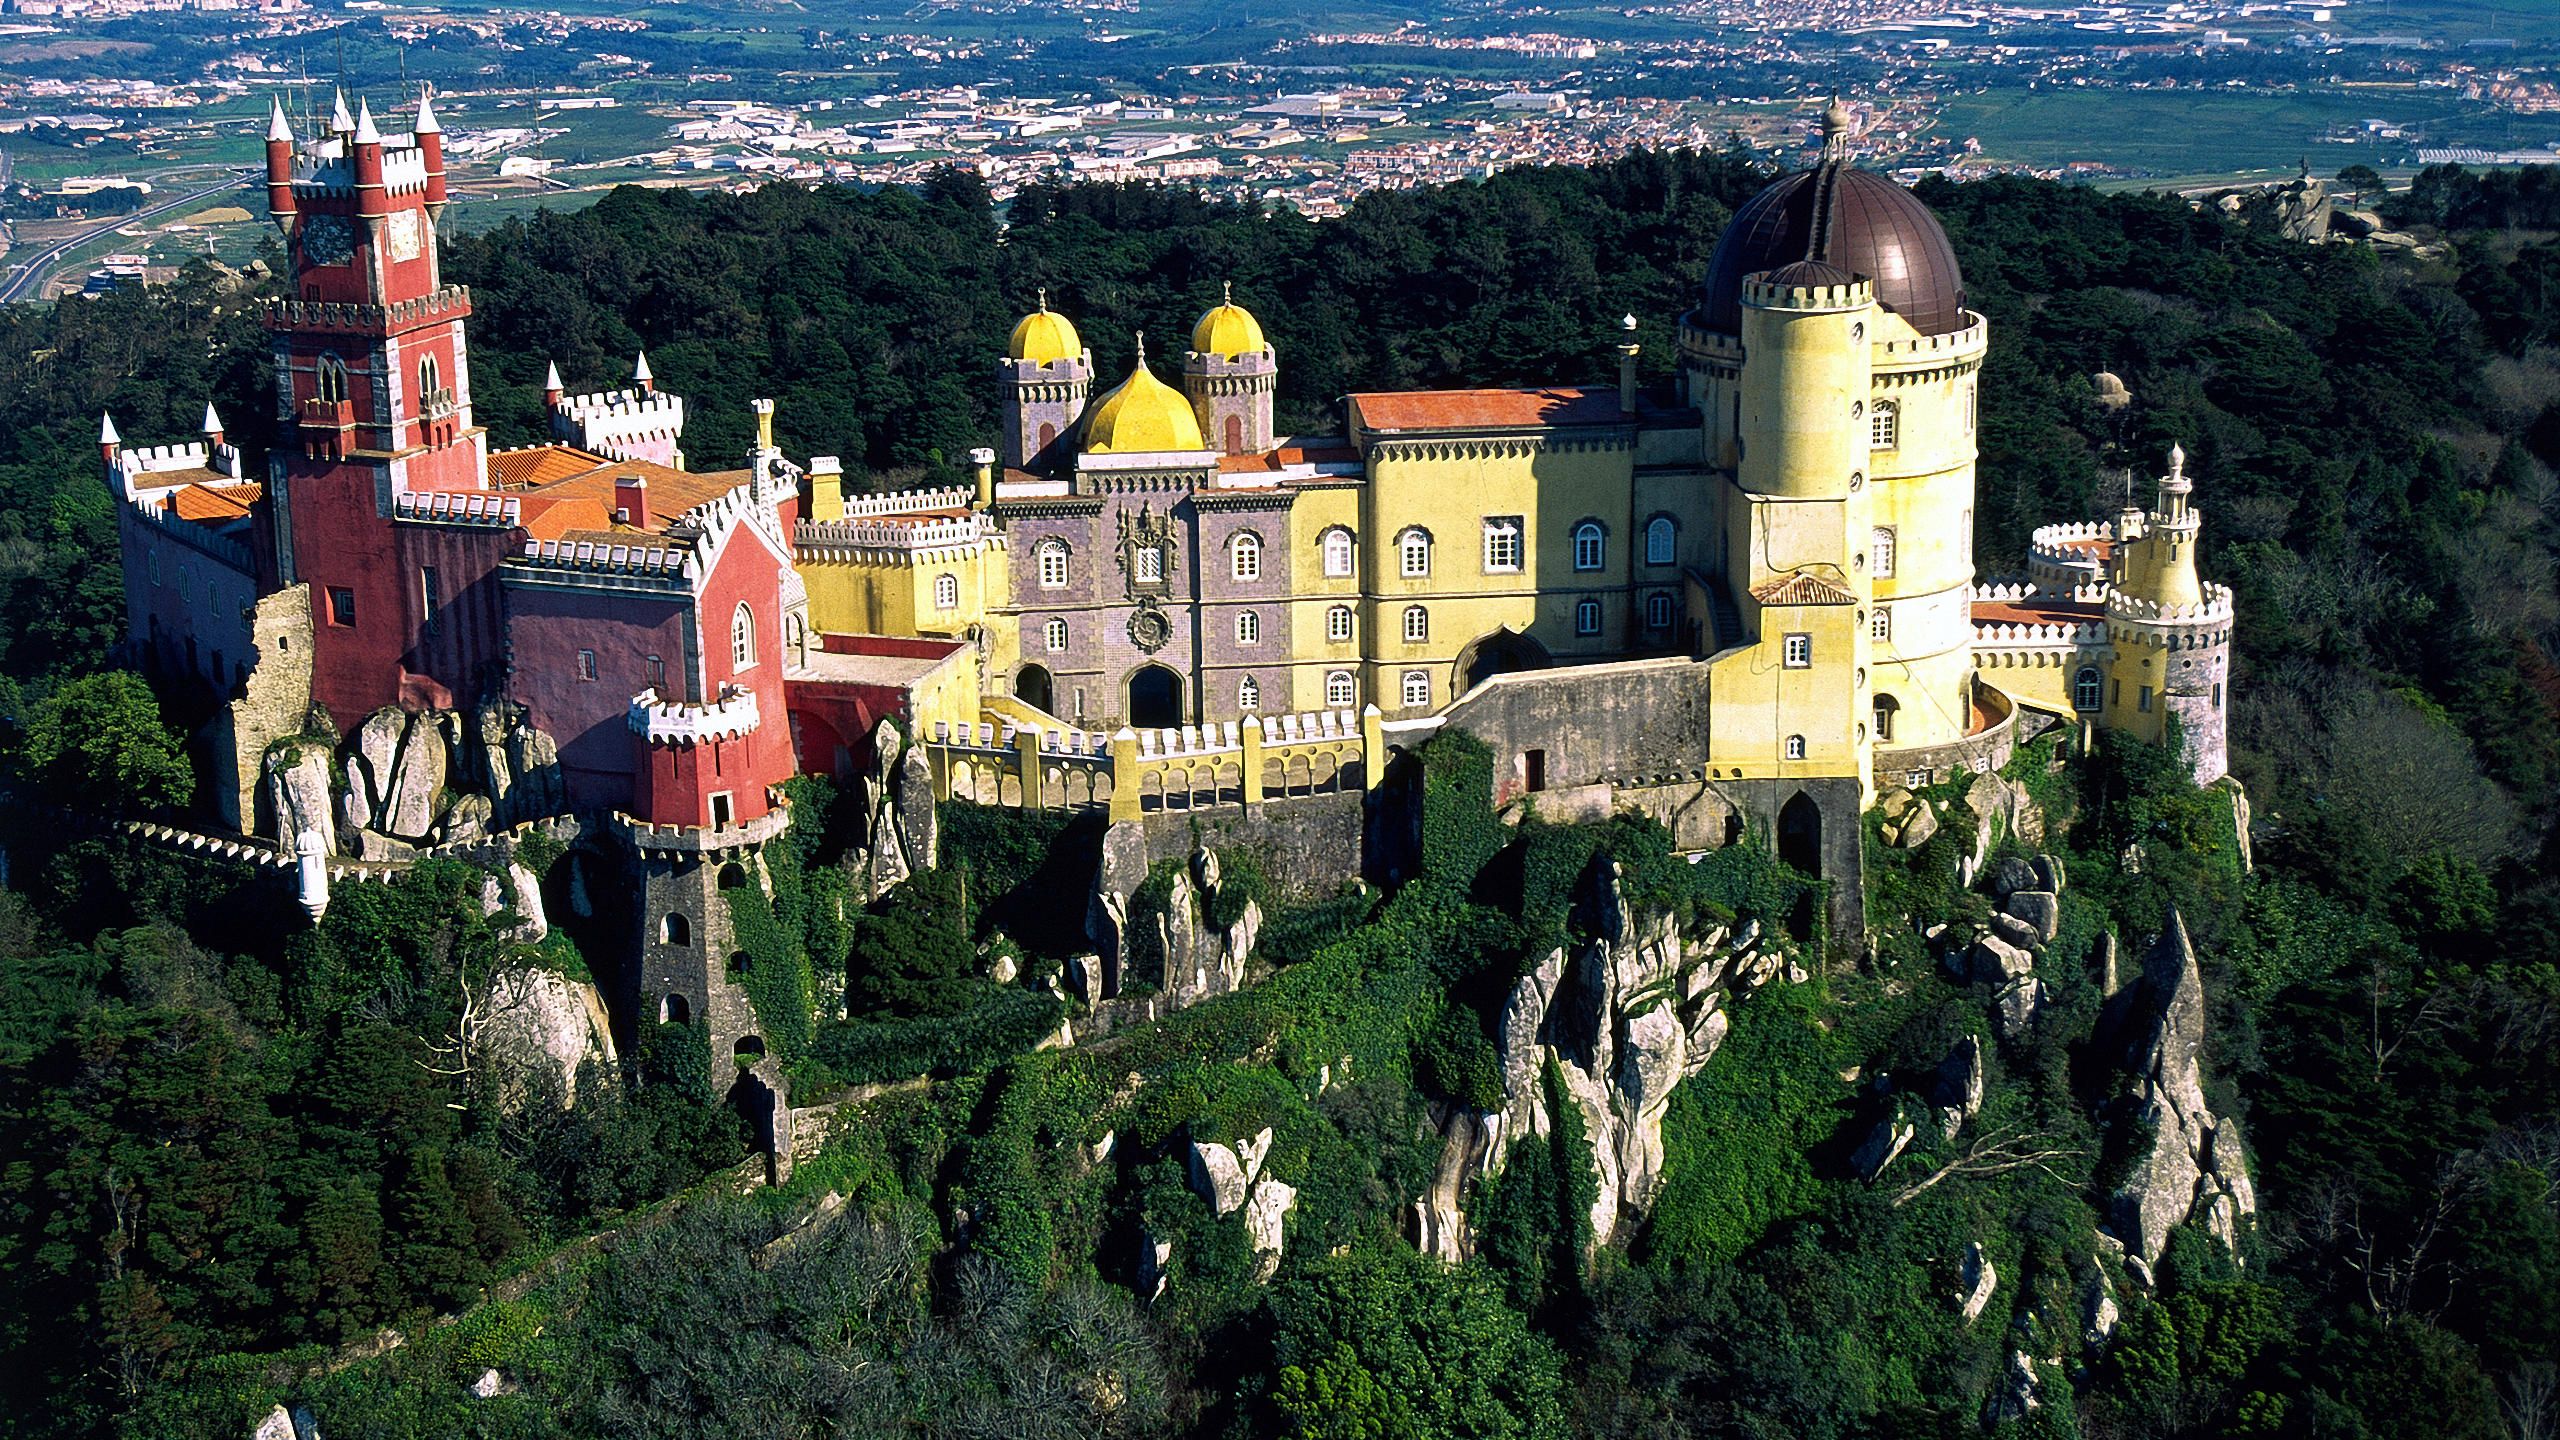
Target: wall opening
point(1534, 771)
point(1800, 845)
point(1034, 688)
point(674, 929)
point(748, 1050)
point(1155, 697)
point(733, 876)
point(674, 1009)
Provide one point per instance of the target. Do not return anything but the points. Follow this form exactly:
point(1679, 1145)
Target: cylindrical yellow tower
point(1918, 430)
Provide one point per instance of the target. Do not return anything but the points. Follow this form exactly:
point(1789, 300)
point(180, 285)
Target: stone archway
point(1034, 688)
point(1500, 653)
point(1800, 846)
point(1155, 697)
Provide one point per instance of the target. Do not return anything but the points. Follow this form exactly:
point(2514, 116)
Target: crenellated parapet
point(630, 424)
point(345, 317)
point(682, 722)
point(476, 509)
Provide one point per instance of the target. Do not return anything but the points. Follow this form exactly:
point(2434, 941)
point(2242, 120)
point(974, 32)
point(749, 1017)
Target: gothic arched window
point(742, 638)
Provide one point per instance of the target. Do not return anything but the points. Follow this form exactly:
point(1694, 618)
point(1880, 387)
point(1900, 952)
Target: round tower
point(2169, 633)
point(1231, 374)
point(1046, 377)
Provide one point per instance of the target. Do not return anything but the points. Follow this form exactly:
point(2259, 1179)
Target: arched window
point(946, 592)
point(1795, 747)
point(1248, 627)
point(1336, 545)
point(430, 379)
point(673, 1010)
point(1884, 427)
point(1054, 634)
point(1661, 540)
point(742, 638)
point(1249, 694)
point(795, 633)
point(1417, 624)
point(1337, 623)
point(1880, 551)
point(1586, 617)
point(1880, 624)
point(1590, 546)
point(1244, 556)
point(674, 929)
point(1886, 709)
point(329, 379)
point(1417, 689)
point(1413, 553)
point(2086, 688)
point(1053, 564)
point(1339, 690)
point(1657, 610)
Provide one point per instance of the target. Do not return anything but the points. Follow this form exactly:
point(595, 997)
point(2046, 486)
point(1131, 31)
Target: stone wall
point(1309, 846)
point(271, 706)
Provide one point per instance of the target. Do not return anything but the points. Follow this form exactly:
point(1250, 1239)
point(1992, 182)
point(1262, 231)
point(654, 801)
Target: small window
point(1244, 556)
point(1417, 689)
point(657, 672)
point(1146, 565)
point(586, 664)
point(1337, 553)
point(946, 591)
point(429, 379)
point(1054, 635)
point(1249, 694)
point(2085, 689)
point(430, 593)
point(1053, 564)
point(1586, 617)
point(1884, 426)
point(1590, 546)
point(674, 929)
point(722, 812)
point(1880, 551)
point(1880, 625)
point(342, 605)
point(742, 638)
point(1249, 628)
point(1657, 611)
point(1661, 541)
point(1339, 690)
point(1502, 544)
point(1417, 624)
point(1799, 651)
point(2142, 700)
point(329, 378)
point(1337, 623)
point(1887, 708)
point(2217, 697)
point(1795, 747)
point(155, 567)
point(1413, 552)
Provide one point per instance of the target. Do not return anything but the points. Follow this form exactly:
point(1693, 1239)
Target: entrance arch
point(1500, 653)
point(1155, 697)
point(1034, 688)
point(1800, 835)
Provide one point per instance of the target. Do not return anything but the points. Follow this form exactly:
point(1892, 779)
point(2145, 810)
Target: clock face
point(327, 240)
point(404, 235)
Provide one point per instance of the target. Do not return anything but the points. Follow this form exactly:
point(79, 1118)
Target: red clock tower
point(378, 473)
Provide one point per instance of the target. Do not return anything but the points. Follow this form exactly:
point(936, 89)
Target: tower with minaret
point(1046, 375)
point(373, 403)
point(2168, 630)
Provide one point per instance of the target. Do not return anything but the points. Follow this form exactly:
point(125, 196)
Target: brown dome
point(1872, 228)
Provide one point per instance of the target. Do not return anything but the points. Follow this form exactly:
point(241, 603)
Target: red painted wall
point(681, 779)
point(546, 628)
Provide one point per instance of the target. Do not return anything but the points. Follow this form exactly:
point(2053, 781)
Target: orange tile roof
point(2040, 611)
point(210, 505)
point(1239, 464)
point(580, 504)
point(1801, 588)
point(537, 465)
point(1487, 409)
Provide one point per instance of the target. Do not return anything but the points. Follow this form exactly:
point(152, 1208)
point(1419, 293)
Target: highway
point(25, 279)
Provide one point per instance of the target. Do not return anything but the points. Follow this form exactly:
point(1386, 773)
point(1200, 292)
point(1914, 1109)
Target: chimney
point(826, 489)
point(1628, 349)
point(631, 501)
point(984, 460)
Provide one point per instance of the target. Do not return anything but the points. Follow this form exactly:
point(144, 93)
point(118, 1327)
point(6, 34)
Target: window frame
point(1416, 626)
point(1412, 680)
point(742, 637)
point(1884, 425)
point(1882, 548)
point(1588, 616)
point(1413, 553)
point(1796, 650)
point(1880, 624)
point(2088, 690)
point(946, 591)
point(1660, 610)
point(342, 606)
point(1248, 695)
point(1338, 553)
point(1054, 551)
point(587, 668)
point(1340, 682)
point(1248, 627)
point(1244, 557)
point(1053, 634)
point(1505, 545)
point(1666, 531)
point(1795, 748)
point(1341, 626)
point(1590, 532)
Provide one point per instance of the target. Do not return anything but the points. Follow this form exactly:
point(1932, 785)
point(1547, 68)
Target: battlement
point(931, 535)
point(2216, 608)
point(1771, 292)
point(906, 502)
point(2015, 593)
point(1952, 345)
point(445, 507)
point(199, 538)
point(328, 168)
point(153, 459)
point(348, 318)
point(654, 838)
point(679, 722)
point(663, 561)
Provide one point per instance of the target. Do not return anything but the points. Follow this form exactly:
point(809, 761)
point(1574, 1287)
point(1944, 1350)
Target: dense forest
point(232, 1146)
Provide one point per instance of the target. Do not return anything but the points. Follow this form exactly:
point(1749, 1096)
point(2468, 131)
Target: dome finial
point(1226, 292)
point(1836, 121)
point(1044, 299)
point(1142, 349)
point(2177, 461)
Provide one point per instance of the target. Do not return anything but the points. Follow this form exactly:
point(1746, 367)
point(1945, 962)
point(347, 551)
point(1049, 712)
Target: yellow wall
point(880, 593)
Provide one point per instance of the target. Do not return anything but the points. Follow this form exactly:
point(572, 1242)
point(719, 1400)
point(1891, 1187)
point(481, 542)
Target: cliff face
point(2189, 1162)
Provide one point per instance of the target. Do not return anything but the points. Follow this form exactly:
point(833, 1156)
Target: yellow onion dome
point(1228, 329)
point(1044, 336)
point(1143, 414)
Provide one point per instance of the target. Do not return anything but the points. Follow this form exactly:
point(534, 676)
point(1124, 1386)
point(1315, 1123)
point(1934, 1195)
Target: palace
point(1748, 601)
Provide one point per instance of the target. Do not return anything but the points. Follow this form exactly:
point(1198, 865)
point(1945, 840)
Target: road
point(26, 278)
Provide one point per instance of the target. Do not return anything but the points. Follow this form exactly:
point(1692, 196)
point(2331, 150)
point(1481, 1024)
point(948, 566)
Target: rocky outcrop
point(1155, 1265)
point(1957, 1086)
point(1907, 820)
point(520, 894)
point(1264, 1216)
point(1219, 1173)
point(433, 777)
point(536, 1028)
point(2188, 1162)
point(297, 781)
point(513, 764)
point(1976, 1279)
point(1200, 958)
point(1884, 1144)
point(1625, 1018)
point(2019, 1391)
point(1231, 1178)
point(903, 834)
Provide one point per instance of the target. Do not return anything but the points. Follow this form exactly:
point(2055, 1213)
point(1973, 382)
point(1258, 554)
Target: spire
point(1226, 292)
point(1142, 350)
point(2177, 461)
point(212, 421)
point(107, 430)
point(1044, 299)
point(426, 121)
point(278, 127)
point(1835, 130)
point(640, 375)
point(551, 379)
point(339, 123)
point(366, 133)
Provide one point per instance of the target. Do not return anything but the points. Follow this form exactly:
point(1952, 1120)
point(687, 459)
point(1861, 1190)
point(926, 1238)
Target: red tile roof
point(1487, 409)
point(212, 505)
point(1801, 588)
point(580, 504)
point(2038, 611)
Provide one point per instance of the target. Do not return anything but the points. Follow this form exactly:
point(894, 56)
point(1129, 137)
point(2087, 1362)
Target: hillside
point(2143, 1113)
